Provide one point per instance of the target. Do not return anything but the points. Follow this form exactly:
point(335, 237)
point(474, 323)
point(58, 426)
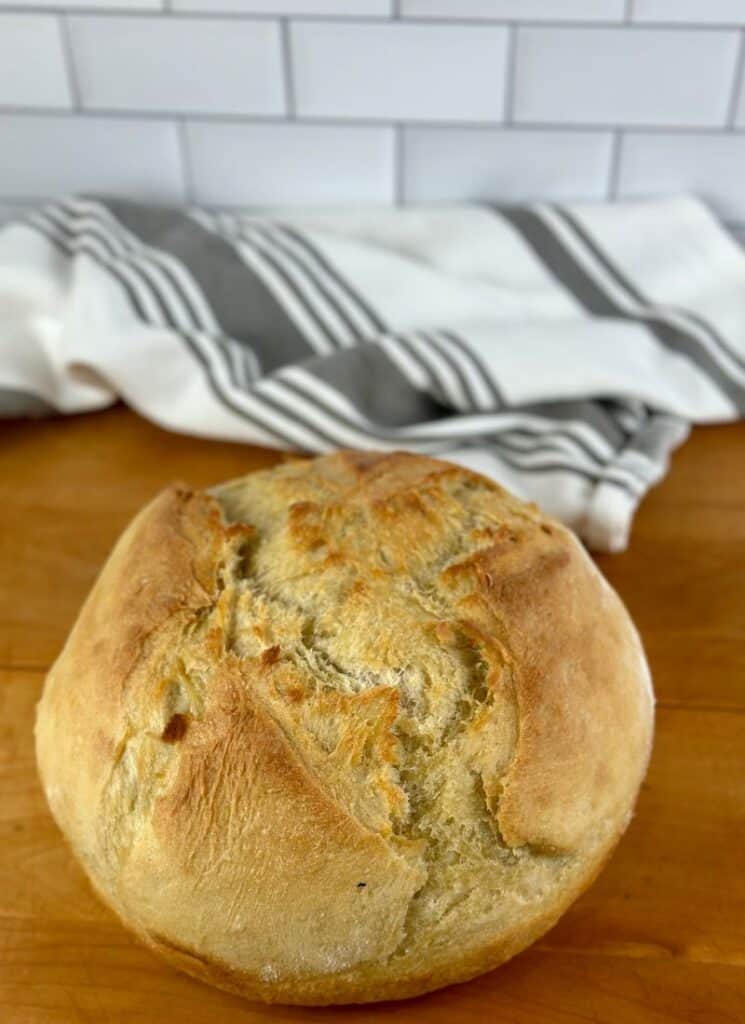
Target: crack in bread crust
point(423, 739)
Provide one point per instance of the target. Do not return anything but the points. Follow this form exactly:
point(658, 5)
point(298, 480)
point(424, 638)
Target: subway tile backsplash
point(486, 164)
point(39, 82)
point(342, 102)
point(355, 8)
point(179, 65)
point(639, 76)
point(290, 164)
point(88, 5)
point(713, 12)
point(740, 108)
point(48, 155)
point(712, 166)
point(518, 10)
point(399, 71)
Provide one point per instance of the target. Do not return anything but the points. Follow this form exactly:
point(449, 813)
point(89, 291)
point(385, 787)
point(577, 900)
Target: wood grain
point(70, 485)
point(659, 938)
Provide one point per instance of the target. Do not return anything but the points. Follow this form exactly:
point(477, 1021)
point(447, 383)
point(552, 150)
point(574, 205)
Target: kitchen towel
point(561, 349)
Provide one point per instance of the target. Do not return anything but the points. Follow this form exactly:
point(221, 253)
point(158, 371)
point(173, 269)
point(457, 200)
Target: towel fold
point(562, 350)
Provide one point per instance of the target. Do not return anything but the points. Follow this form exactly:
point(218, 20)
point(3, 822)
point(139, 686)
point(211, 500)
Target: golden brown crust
point(346, 730)
point(158, 571)
point(377, 986)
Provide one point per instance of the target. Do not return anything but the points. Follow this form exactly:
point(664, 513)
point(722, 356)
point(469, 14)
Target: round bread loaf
point(345, 730)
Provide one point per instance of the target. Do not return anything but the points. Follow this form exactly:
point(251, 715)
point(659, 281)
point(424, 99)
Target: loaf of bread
point(348, 729)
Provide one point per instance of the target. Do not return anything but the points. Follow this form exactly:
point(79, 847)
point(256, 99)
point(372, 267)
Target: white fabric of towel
point(561, 349)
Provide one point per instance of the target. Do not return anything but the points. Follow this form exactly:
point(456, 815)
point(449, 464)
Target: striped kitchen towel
point(562, 350)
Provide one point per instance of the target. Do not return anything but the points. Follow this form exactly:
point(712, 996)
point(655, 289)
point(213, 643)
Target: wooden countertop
point(659, 938)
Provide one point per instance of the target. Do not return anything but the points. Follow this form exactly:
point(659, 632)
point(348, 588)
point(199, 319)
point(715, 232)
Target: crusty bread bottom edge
point(361, 986)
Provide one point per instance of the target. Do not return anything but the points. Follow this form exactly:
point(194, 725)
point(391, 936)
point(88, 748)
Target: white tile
point(521, 10)
point(290, 164)
point(624, 75)
point(694, 12)
point(398, 70)
point(356, 8)
point(740, 111)
point(44, 156)
point(188, 65)
point(92, 5)
point(460, 164)
point(32, 62)
point(709, 165)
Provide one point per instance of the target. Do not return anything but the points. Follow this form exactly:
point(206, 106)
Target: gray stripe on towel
point(245, 309)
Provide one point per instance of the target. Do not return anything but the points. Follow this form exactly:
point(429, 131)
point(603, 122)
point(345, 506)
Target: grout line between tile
point(509, 81)
point(476, 22)
point(615, 164)
point(287, 73)
point(69, 58)
point(369, 122)
point(738, 81)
